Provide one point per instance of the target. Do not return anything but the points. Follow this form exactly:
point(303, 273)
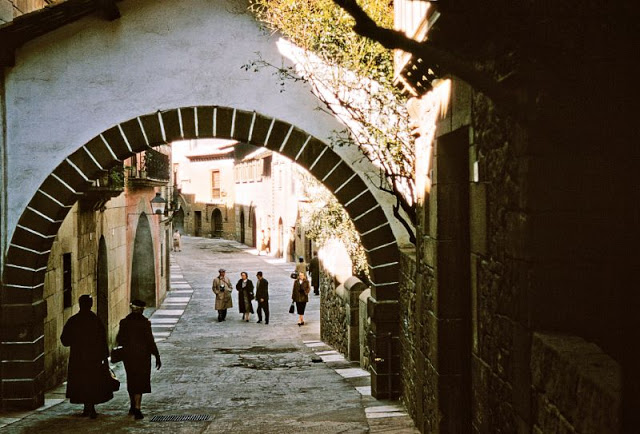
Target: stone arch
point(23, 308)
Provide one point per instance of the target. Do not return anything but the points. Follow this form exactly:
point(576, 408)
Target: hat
point(138, 304)
point(222, 270)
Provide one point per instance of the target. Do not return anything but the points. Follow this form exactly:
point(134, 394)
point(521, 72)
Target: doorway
point(197, 217)
point(102, 284)
point(242, 226)
point(216, 223)
point(143, 271)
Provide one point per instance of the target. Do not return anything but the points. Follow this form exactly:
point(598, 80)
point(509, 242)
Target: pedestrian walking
point(300, 295)
point(177, 241)
point(88, 358)
point(222, 289)
point(301, 266)
point(136, 338)
point(314, 270)
point(262, 296)
point(245, 295)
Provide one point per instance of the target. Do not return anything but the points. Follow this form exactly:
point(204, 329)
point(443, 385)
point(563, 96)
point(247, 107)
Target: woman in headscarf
point(136, 338)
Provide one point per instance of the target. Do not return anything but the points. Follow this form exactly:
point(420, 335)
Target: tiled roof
point(29, 26)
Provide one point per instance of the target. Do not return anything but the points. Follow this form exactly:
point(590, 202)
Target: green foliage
point(325, 219)
point(323, 28)
point(355, 82)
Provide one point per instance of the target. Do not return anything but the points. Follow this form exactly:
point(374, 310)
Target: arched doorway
point(242, 226)
point(254, 230)
point(216, 223)
point(280, 251)
point(102, 284)
point(178, 220)
point(143, 272)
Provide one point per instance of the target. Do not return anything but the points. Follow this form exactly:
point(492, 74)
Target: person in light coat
point(222, 289)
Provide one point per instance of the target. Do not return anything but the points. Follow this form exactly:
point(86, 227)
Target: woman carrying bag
point(136, 338)
point(300, 295)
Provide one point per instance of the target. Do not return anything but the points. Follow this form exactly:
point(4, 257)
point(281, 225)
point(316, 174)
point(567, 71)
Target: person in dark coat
point(136, 338)
point(86, 336)
point(314, 270)
point(300, 295)
point(245, 295)
point(262, 295)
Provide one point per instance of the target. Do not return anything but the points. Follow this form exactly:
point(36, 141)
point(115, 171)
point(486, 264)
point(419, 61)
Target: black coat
point(137, 339)
point(314, 269)
point(262, 290)
point(86, 380)
point(248, 289)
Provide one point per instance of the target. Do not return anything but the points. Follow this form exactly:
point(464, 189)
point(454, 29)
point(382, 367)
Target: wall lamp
point(158, 204)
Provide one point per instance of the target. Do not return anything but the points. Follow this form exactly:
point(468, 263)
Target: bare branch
point(449, 63)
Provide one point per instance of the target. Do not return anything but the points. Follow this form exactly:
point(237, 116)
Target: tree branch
point(449, 63)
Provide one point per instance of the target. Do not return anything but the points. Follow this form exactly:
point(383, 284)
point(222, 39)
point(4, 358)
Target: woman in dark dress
point(136, 338)
point(245, 295)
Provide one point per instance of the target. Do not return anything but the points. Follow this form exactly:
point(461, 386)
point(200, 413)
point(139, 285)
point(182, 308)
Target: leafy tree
point(353, 76)
point(326, 220)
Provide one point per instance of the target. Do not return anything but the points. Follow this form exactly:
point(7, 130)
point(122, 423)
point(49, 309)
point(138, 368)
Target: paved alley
point(232, 376)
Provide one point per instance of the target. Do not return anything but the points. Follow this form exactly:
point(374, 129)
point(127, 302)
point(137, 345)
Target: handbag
point(292, 308)
point(117, 354)
point(294, 275)
point(112, 381)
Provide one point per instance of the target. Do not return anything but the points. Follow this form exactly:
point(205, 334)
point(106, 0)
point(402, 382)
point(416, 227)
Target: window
point(215, 184)
point(66, 280)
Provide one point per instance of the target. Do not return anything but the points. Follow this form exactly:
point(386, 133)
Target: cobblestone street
point(243, 377)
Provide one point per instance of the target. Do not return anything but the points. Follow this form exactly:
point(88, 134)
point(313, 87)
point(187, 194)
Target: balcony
point(151, 169)
point(109, 185)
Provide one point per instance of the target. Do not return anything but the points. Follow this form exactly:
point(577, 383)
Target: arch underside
point(38, 225)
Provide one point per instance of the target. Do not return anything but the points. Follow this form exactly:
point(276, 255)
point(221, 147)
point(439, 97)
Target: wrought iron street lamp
point(158, 204)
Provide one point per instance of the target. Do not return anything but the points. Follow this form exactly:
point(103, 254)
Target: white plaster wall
point(80, 80)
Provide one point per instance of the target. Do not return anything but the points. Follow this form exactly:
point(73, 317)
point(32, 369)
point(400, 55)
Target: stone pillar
point(354, 288)
point(22, 314)
point(364, 328)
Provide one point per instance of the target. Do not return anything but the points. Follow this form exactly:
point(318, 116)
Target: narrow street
point(237, 376)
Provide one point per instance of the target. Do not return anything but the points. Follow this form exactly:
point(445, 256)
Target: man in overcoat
point(86, 336)
point(262, 295)
point(222, 289)
point(314, 270)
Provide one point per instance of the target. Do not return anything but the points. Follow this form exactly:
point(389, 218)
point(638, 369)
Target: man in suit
point(262, 295)
point(314, 270)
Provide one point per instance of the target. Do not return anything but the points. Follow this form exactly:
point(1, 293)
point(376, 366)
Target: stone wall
point(79, 235)
point(576, 387)
point(333, 314)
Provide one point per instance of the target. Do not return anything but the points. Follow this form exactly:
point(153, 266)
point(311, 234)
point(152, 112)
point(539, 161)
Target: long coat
point(262, 290)
point(137, 339)
point(314, 270)
point(300, 292)
point(85, 334)
point(223, 298)
point(242, 292)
